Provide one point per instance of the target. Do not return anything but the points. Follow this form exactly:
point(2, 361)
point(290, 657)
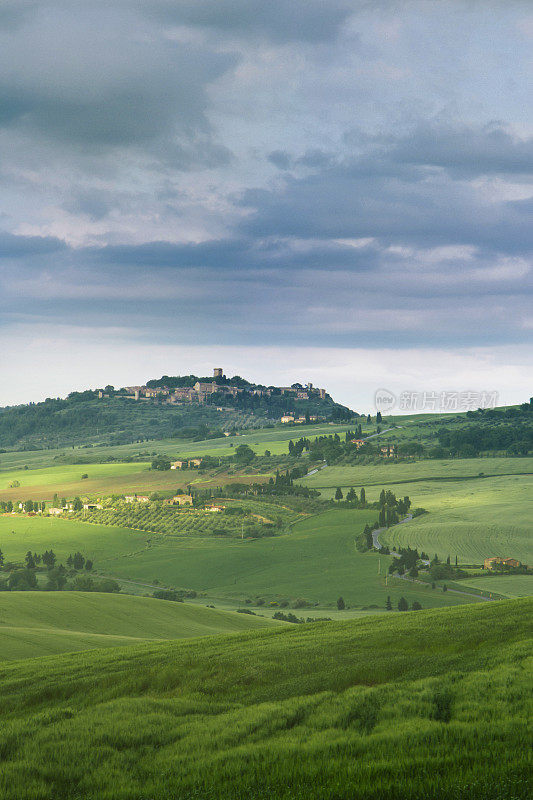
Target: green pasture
point(392, 471)
point(473, 518)
point(429, 704)
point(45, 623)
point(317, 561)
point(66, 480)
point(274, 439)
point(507, 585)
point(116, 478)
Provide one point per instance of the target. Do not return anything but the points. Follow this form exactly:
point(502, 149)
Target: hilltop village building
point(202, 390)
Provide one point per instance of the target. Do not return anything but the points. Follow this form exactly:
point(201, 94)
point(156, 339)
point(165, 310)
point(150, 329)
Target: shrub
point(167, 594)
point(364, 715)
point(441, 705)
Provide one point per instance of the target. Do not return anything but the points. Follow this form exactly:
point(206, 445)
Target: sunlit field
point(45, 623)
point(316, 562)
point(428, 704)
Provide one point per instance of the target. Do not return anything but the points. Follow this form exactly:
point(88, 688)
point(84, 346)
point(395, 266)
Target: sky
point(335, 191)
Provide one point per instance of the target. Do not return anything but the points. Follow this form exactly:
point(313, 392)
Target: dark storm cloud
point(94, 78)
point(25, 246)
point(400, 194)
point(279, 20)
point(465, 151)
point(240, 256)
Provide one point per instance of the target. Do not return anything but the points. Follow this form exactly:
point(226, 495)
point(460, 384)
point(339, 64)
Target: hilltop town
point(218, 388)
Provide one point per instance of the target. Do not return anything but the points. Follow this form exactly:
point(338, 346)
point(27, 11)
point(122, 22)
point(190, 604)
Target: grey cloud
point(279, 20)
point(14, 14)
point(280, 159)
point(242, 256)
point(465, 150)
point(373, 196)
point(12, 246)
point(96, 79)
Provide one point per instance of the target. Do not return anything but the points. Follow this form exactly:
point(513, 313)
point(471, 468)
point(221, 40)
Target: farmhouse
point(92, 506)
point(511, 562)
point(215, 509)
point(55, 512)
point(490, 563)
point(287, 418)
point(358, 442)
point(178, 465)
point(136, 498)
point(180, 500)
point(388, 451)
point(195, 462)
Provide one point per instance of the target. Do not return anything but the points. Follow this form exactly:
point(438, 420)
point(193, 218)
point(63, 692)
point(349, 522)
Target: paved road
point(378, 546)
point(366, 438)
point(313, 471)
point(375, 534)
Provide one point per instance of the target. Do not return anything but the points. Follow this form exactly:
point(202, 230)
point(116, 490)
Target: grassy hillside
point(471, 517)
point(275, 439)
point(318, 561)
point(46, 623)
point(408, 706)
point(397, 471)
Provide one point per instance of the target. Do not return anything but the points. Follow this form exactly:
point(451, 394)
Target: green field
point(473, 518)
point(507, 585)
point(399, 471)
point(431, 705)
point(317, 561)
point(46, 623)
point(274, 439)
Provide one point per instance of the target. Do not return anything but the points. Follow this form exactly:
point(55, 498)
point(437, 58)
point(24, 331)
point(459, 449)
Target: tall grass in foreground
point(427, 705)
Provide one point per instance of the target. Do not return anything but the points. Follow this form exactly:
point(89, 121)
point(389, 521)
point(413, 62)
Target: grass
point(316, 561)
point(398, 471)
point(116, 478)
point(46, 623)
point(274, 439)
point(507, 585)
point(473, 518)
point(423, 705)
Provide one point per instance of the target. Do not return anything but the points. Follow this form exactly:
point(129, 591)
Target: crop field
point(507, 585)
point(45, 623)
point(274, 439)
point(317, 561)
point(248, 518)
point(115, 478)
point(398, 471)
point(472, 518)
point(432, 704)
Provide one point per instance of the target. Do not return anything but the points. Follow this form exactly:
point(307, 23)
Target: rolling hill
point(47, 623)
point(430, 704)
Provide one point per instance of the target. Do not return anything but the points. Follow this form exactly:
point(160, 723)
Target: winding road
point(375, 534)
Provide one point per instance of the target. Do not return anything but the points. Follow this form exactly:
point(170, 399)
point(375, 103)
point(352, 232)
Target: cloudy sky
point(328, 190)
